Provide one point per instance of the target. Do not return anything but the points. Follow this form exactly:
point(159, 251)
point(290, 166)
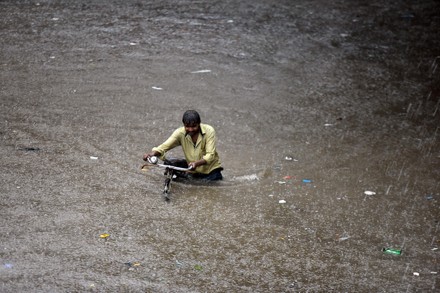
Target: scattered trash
point(434, 249)
point(328, 124)
point(178, 263)
point(367, 192)
point(198, 267)
point(230, 21)
point(104, 235)
point(416, 274)
point(429, 197)
point(307, 180)
point(282, 201)
point(270, 195)
point(133, 44)
point(344, 35)
point(287, 158)
point(344, 237)
point(132, 265)
point(30, 149)
point(8, 266)
point(157, 88)
point(287, 177)
point(202, 71)
point(93, 158)
point(433, 273)
point(55, 18)
point(281, 182)
point(392, 251)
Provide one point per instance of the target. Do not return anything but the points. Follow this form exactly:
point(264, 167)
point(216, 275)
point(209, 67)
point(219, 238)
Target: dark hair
point(191, 117)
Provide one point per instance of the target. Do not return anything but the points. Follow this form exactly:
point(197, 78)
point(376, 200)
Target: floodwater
point(314, 103)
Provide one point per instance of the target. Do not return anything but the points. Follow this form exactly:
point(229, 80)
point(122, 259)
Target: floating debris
point(157, 88)
point(30, 149)
point(202, 71)
point(132, 265)
point(392, 251)
point(367, 192)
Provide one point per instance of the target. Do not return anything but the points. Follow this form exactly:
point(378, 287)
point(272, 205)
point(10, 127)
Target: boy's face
point(192, 128)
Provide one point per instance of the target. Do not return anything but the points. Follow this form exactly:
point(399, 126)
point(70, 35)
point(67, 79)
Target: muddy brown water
point(342, 93)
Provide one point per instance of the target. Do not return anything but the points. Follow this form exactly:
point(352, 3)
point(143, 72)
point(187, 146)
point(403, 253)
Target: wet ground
point(314, 103)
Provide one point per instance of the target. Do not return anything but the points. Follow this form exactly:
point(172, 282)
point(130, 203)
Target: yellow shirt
point(204, 148)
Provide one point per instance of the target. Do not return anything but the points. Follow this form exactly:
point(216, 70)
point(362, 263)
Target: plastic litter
point(416, 274)
point(104, 235)
point(157, 88)
point(93, 158)
point(202, 71)
point(282, 201)
point(132, 265)
point(198, 267)
point(8, 266)
point(429, 197)
point(307, 180)
point(367, 192)
point(392, 251)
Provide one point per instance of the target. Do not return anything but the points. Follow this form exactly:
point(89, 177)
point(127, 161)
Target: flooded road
point(327, 116)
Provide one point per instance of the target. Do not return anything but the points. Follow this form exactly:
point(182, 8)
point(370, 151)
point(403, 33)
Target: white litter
point(133, 44)
point(93, 158)
point(282, 201)
point(157, 88)
point(202, 71)
point(367, 192)
point(416, 274)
